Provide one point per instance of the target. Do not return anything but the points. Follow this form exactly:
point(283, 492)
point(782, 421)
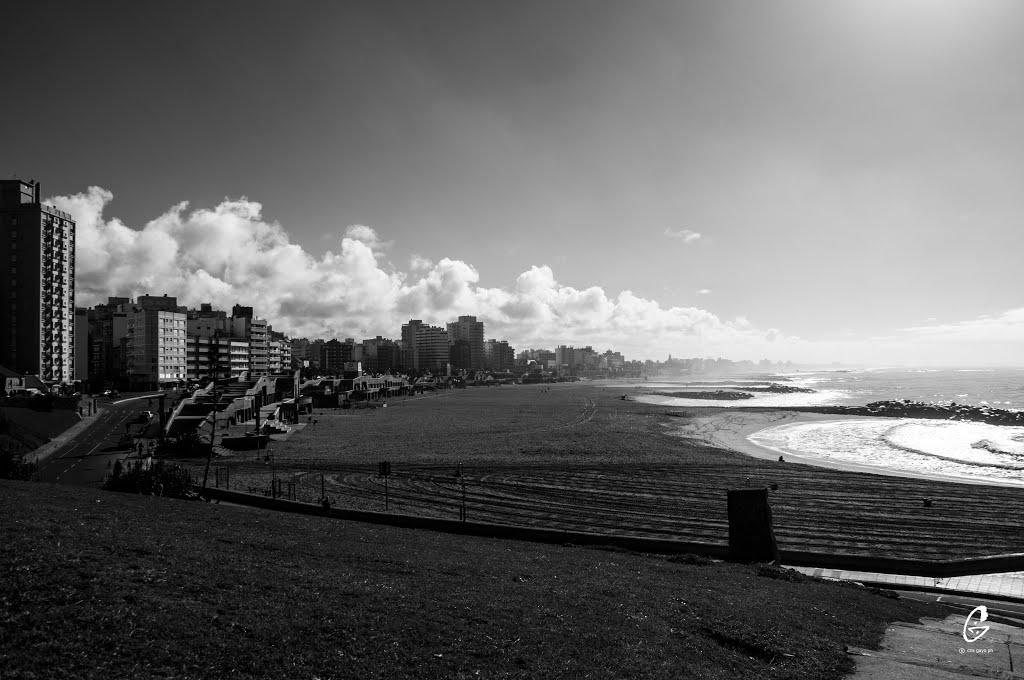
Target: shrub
point(187, 445)
point(11, 464)
point(159, 479)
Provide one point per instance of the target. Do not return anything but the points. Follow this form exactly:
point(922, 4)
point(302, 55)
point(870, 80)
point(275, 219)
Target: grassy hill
point(101, 585)
point(32, 428)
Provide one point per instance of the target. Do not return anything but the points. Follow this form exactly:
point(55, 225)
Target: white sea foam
point(785, 400)
point(961, 450)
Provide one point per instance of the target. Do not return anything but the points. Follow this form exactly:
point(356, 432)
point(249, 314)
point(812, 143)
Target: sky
point(805, 180)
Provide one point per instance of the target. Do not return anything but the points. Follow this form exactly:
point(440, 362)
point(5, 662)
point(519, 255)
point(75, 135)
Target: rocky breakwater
point(918, 409)
point(735, 394)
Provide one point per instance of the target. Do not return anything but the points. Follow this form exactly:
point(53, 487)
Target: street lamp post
point(213, 432)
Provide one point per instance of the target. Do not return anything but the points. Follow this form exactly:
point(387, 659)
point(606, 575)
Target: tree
point(11, 464)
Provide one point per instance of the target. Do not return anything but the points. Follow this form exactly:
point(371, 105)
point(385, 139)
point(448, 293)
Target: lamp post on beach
point(269, 460)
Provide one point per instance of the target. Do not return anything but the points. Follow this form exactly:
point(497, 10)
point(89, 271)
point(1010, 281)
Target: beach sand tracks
point(858, 514)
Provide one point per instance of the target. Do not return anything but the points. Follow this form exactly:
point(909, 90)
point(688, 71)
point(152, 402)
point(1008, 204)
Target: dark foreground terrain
point(104, 585)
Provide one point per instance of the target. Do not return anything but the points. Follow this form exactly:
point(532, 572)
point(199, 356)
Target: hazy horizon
point(796, 180)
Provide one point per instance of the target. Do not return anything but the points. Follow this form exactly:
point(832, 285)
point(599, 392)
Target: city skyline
point(805, 181)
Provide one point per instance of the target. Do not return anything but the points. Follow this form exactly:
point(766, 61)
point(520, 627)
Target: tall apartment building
point(409, 356)
point(156, 346)
point(498, 356)
point(432, 348)
point(459, 354)
point(330, 360)
point(575, 358)
point(242, 325)
point(542, 357)
point(472, 331)
point(424, 347)
point(108, 328)
point(279, 350)
point(255, 331)
point(381, 355)
point(37, 284)
point(81, 345)
point(216, 355)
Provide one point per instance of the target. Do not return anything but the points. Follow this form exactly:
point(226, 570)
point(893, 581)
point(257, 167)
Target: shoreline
point(730, 428)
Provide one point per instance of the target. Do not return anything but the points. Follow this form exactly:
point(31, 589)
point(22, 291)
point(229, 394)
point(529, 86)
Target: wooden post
point(751, 538)
point(463, 508)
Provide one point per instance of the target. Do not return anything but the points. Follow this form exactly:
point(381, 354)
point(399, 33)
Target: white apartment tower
point(155, 348)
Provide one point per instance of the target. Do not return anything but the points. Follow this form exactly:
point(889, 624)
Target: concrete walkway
point(936, 649)
point(1007, 586)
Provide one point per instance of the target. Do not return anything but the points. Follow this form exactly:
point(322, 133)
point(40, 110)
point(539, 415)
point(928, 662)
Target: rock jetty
point(918, 409)
point(726, 395)
point(736, 394)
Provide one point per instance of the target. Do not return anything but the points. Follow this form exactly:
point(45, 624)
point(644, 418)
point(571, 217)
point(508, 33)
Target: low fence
point(651, 513)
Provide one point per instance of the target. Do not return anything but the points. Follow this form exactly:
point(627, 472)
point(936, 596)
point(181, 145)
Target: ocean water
point(962, 451)
point(959, 451)
point(1000, 388)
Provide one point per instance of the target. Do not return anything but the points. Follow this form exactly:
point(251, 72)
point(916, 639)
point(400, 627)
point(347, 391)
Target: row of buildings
point(459, 347)
point(152, 341)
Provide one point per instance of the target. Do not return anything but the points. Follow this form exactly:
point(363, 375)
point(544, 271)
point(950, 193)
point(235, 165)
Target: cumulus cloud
point(369, 236)
point(231, 255)
point(684, 235)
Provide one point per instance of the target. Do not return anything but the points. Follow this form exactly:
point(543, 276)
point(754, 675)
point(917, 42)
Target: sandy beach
point(730, 428)
point(577, 456)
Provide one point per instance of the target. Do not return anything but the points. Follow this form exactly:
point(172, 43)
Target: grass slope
point(34, 428)
point(103, 585)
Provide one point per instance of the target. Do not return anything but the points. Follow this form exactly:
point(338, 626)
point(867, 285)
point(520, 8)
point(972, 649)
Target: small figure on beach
point(781, 459)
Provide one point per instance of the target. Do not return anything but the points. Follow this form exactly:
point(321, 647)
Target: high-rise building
point(37, 284)
point(498, 356)
point(331, 360)
point(432, 348)
point(460, 354)
point(472, 331)
point(255, 331)
point(81, 345)
point(156, 348)
point(216, 355)
point(381, 355)
point(280, 352)
point(108, 327)
point(409, 356)
point(424, 347)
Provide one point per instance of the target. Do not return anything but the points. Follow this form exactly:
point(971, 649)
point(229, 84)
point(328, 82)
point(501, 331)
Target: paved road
point(87, 459)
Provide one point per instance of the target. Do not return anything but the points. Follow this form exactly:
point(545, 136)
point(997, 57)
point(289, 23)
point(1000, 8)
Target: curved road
point(90, 456)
